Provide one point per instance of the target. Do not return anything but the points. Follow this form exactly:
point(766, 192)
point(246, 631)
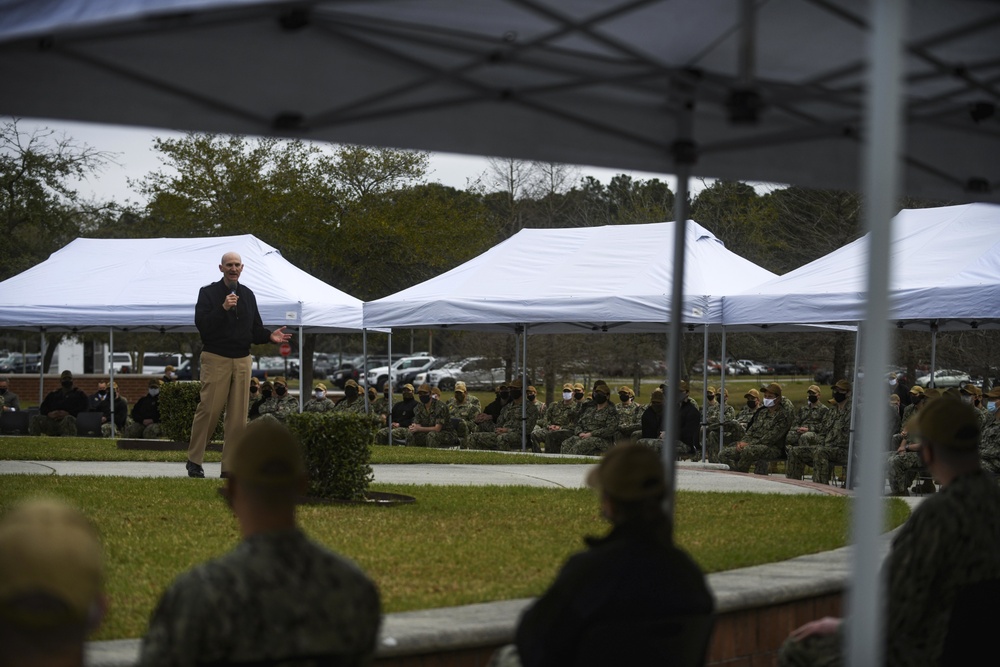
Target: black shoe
point(195, 470)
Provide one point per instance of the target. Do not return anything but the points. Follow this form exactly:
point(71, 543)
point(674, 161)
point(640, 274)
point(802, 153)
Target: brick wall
point(131, 387)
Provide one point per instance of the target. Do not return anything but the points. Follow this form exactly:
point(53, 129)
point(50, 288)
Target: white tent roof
point(597, 82)
point(575, 280)
point(152, 284)
point(945, 265)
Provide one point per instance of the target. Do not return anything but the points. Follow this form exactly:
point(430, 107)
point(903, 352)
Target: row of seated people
point(61, 409)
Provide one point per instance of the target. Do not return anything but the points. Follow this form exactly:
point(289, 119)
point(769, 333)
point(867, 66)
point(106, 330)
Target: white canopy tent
point(821, 93)
point(575, 280)
point(152, 285)
point(945, 270)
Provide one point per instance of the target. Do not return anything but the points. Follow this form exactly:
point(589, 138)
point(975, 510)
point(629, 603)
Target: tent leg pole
point(722, 389)
point(41, 366)
point(881, 176)
point(524, 389)
point(704, 397)
point(111, 376)
point(934, 330)
point(389, 383)
point(854, 409)
point(364, 365)
point(302, 370)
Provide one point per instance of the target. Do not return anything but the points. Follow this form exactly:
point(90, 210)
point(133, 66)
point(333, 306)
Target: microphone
point(232, 290)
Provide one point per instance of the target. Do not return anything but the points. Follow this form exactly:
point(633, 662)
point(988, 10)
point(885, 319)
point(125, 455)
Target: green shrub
point(178, 401)
point(338, 452)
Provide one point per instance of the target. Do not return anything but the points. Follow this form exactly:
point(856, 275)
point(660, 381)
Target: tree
point(39, 208)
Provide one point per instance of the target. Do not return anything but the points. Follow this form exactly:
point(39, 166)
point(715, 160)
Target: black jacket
point(73, 401)
point(228, 333)
point(147, 407)
point(632, 574)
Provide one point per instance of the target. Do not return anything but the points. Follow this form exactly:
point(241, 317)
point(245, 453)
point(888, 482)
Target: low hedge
point(338, 452)
point(178, 402)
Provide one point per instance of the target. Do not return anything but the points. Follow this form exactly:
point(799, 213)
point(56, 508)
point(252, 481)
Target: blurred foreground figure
point(945, 551)
point(51, 581)
point(633, 597)
point(278, 597)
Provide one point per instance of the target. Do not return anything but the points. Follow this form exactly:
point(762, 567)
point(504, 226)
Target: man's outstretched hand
point(279, 336)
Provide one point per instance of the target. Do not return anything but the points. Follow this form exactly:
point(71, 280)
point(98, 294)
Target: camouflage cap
point(625, 389)
point(51, 548)
point(280, 379)
point(603, 388)
point(994, 392)
point(814, 389)
point(460, 386)
point(917, 390)
point(947, 422)
point(266, 384)
point(254, 381)
point(423, 389)
point(953, 392)
point(725, 392)
point(321, 386)
point(932, 393)
point(154, 384)
point(842, 385)
point(578, 387)
point(352, 383)
point(435, 391)
point(753, 393)
point(385, 386)
point(711, 390)
point(628, 473)
point(516, 384)
point(267, 454)
point(684, 386)
point(408, 387)
point(66, 375)
point(656, 396)
point(894, 399)
point(568, 386)
point(168, 368)
point(531, 389)
point(773, 388)
point(971, 390)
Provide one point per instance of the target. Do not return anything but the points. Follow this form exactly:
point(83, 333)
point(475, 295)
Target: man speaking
point(229, 323)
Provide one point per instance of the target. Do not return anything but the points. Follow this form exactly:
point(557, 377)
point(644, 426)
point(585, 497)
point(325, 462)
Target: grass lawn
point(455, 545)
point(43, 448)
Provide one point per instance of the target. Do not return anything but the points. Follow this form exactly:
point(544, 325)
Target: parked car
point(351, 368)
point(475, 372)
point(377, 376)
point(945, 378)
point(20, 363)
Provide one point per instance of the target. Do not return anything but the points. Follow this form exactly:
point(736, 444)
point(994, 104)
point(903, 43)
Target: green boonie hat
point(268, 454)
point(628, 473)
point(50, 548)
point(947, 422)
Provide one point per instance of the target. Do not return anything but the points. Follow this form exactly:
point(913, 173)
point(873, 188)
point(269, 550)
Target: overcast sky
point(134, 151)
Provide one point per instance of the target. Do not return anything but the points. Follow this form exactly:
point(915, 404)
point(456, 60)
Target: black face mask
point(425, 398)
point(531, 397)
point(710, 397)
point(514, 394)
point(407, 395)
point(67, 384)
point(351, 392)
point(385, 394)
point(280, 391)
point(578, 395)
point(253, 389)
point(266, 393)
point(600, 398)
point(623, 397)
point(839, 397)
point(372, 396)
point(751, 403)
point(3, 390)
point(813, 398)
point(504, 395)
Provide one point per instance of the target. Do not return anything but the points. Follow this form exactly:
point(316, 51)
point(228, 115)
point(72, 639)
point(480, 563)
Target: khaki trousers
point(225, 385)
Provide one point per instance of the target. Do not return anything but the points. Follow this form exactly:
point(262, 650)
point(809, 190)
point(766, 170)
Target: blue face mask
point(991, 406)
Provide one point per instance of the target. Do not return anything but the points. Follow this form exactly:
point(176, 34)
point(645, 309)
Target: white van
point(121, 361)
point(155, 363)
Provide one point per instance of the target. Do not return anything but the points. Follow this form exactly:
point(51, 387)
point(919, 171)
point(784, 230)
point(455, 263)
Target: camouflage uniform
point(432, 413)
point(510, 418)
point(989, 446)
point(465, 414)
point(563, 415)
point(746, 413)
point(629, 418)
point(276, 595)
point(836, 443)
point(765, 439)
point(949, 543)
point(602, 426)
point(278, 407)
point(380, 406)
point(318, 405)
point(357, 406)
point(802, 446)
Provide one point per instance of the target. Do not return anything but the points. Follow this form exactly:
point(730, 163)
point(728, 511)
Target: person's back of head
point(51, 582)
point(948, 431)
point(632, 484)
point(267, 476)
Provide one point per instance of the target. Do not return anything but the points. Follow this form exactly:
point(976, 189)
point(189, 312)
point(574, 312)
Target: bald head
point(231, 267)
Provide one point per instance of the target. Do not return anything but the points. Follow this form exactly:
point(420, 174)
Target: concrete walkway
point(690, 476)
